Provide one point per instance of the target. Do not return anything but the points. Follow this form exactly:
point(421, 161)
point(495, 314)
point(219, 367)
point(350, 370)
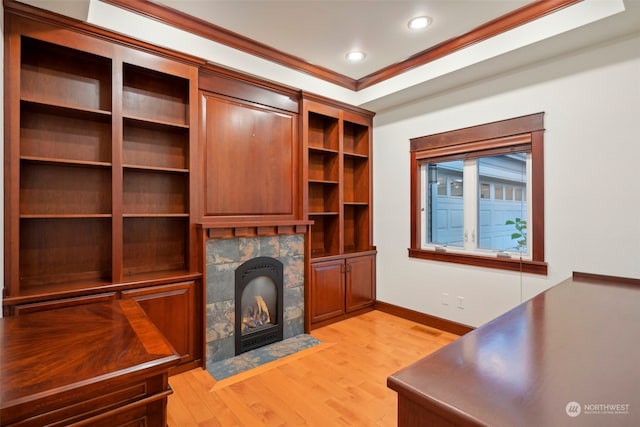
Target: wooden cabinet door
point(171, 309)
point(241, 137)
point(361, 282)
point(327, 290)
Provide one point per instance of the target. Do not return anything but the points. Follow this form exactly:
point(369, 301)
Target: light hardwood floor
point(341, 382)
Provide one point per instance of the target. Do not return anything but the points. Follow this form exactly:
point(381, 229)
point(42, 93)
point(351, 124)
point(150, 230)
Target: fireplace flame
point(256, 315)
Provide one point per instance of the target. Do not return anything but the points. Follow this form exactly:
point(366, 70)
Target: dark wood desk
point(575, 347)
point(102, 364)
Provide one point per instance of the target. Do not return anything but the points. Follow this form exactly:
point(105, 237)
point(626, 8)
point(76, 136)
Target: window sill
point(511, 264)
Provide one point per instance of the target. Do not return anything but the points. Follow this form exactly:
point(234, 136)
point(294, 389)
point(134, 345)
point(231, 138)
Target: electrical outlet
point(461, 303)
point(445, 298)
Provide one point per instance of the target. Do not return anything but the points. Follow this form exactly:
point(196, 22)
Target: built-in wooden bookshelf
point(356, 185)
point(155, 190)
point(65, 168)
point(323, 181)
point(338, 148)
point(338, 194)
point(69, 182)
point(98, 177)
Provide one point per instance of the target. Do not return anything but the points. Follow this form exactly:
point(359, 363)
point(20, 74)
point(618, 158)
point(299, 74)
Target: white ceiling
point(322, 31)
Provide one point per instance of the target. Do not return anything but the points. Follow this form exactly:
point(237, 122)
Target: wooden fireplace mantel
point(225, 230)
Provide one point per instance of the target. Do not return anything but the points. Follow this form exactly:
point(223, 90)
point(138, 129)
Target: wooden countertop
point(577, 342)
point(64, 353)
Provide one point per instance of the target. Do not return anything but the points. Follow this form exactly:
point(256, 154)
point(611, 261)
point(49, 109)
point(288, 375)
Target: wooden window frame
point(518, 134)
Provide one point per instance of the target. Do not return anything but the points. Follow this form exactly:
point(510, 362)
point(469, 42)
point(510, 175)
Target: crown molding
point(502, 24)
point(194, 25)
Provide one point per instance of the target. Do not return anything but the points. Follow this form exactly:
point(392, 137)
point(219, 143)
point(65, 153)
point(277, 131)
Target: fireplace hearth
point(259, 303)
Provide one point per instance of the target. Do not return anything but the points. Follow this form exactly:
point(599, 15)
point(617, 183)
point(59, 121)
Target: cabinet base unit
point(341, 287)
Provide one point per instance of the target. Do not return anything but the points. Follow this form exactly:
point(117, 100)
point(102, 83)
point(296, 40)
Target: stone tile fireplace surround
point(223, 256)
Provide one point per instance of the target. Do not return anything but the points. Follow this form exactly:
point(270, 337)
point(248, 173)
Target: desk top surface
point(56, 350)
point(577, 343)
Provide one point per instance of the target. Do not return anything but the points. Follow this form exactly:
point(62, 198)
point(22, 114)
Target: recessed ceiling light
point(355, 56)
point(419, 23)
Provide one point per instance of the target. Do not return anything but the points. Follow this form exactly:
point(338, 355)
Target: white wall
point(591, 101)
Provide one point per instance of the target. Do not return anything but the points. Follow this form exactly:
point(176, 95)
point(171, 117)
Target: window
point(477, 195)
point(498, 223)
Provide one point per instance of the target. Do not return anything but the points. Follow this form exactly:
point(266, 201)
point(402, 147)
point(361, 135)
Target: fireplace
point(259, 303)
point(224, 256)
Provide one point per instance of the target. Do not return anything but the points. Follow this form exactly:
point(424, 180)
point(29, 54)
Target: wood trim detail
point(504, 23)
point(47, 17)
point(494, 131)
point(509, 264)
point(267, 228)
point(604, 279)
point(234, 40)
point(236, 85)
point(424, 319)
point(332, 107)
point(525, 132)
point(175, 18)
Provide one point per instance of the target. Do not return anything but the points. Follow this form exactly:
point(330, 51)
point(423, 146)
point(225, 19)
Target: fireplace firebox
point(259, 303)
